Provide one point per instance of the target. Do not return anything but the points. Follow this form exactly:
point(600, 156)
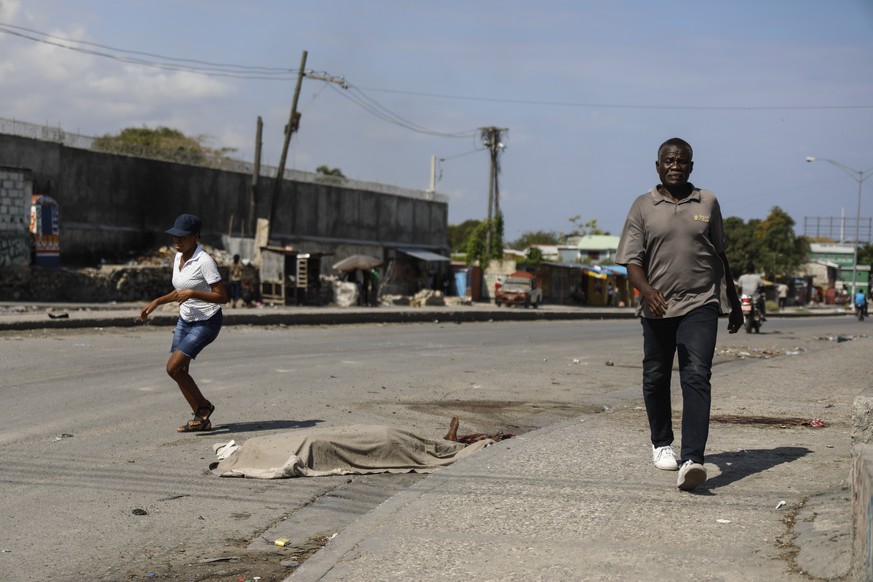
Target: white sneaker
point(691, 475)
point(664, 458)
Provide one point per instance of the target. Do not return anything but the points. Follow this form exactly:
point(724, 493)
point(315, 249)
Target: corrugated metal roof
point(424, 255)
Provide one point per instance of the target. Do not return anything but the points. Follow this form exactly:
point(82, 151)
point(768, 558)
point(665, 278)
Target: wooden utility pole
point(293, 125)
point(256, 173)
point(492, 138)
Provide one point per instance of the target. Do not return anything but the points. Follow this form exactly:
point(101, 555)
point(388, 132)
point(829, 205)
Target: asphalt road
point(96, 483)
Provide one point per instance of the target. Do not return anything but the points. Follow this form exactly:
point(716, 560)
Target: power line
point(175, 63)
point(264, 73)
point(622, 106)
point(370, 105)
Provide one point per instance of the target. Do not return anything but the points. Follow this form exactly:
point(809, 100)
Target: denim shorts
point(190, 337)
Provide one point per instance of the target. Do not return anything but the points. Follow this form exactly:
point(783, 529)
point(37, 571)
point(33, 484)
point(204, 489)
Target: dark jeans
point(693, 336)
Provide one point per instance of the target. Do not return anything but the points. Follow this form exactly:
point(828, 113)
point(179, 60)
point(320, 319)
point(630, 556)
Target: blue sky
point(587, 89)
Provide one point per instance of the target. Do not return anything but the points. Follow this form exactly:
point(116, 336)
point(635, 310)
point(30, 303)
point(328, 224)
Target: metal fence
point(843, 229)
point(85, 142)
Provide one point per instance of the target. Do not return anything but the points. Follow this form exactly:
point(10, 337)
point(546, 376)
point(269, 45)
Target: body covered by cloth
point(356, 449)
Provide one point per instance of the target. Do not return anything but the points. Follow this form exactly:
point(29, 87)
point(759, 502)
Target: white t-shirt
point(750, 284)
point(199, 273)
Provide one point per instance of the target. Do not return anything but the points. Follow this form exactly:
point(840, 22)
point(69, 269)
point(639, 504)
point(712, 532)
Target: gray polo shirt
point(677, 245)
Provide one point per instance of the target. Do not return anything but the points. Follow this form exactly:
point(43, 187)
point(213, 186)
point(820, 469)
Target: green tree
point(538, 237)
point(477, 251)
point(328, 171)
point(769, 246)
point(780, 249)
point(865, 254)
point(459, 234)
point(742, 251)
point(161, 143)
point(533, 257)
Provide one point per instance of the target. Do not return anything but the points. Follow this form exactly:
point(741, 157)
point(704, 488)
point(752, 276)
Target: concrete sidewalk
point(582, 501)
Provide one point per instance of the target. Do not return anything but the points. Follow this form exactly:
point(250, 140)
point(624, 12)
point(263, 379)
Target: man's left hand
point(735, 320)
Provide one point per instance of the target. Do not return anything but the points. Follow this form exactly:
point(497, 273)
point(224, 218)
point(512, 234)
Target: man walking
point(673, 246)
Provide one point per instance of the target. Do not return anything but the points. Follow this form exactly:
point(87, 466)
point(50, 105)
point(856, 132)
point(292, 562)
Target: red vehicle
point(519, 288)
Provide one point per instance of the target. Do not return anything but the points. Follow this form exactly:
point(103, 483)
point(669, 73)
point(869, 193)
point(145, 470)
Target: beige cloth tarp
point(357, 449)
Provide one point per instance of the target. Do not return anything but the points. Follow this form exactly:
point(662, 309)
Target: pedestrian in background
point(782, 293)
point(673, 246)
point(200, 292)
point(234, 288)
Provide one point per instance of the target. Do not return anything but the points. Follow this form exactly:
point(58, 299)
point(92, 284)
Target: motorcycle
point(751, 314)
point(861, 310)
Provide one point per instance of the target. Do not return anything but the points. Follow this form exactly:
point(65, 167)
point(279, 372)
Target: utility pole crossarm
point(341, 81)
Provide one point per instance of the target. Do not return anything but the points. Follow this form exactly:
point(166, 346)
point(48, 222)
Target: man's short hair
point(677, 142)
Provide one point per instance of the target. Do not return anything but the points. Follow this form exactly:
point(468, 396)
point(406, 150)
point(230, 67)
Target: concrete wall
point(114, 207)
point(15, 196)
point(862, 486)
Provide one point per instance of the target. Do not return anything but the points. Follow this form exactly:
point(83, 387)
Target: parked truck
point(519, 288)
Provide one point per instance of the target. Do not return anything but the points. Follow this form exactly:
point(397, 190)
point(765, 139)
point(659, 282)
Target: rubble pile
point(140, 279)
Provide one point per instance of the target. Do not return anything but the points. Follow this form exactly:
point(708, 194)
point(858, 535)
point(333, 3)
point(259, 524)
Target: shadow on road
point(261, 425)
point(740, 464)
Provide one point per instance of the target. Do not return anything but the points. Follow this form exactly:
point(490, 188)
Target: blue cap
point(185, 225)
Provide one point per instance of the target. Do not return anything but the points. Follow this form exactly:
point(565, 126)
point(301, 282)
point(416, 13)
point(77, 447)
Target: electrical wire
point(371, 106)
point(360, 98)
point(621, 106)
point(174, 64)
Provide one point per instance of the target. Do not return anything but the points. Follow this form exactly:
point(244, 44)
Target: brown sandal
point(200, 422)
point(196, 424)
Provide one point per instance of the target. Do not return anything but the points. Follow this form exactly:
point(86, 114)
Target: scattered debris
point(62, 315)
point(282, 542)
point(762, 354)
point(139, 511)
point(723, 521)
point(816, 423)
point(219, 559)
point(63, 436)
point(289, 563)
point(781, 504)
point(841, 338)
point(174, 497)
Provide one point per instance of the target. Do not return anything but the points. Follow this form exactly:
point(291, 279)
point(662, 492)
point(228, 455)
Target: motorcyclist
point(752, 284)
point(861, 301)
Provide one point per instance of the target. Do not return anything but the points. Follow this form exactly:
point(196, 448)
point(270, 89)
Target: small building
point(594, 248)
point(576, 284)
point(836, 262)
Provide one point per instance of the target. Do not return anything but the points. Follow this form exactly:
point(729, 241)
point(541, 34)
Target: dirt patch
point(511, 416)
point(763, 421)
point(233, 563)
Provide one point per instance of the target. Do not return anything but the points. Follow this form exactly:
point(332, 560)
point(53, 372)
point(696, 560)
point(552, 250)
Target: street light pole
point(859, 177)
